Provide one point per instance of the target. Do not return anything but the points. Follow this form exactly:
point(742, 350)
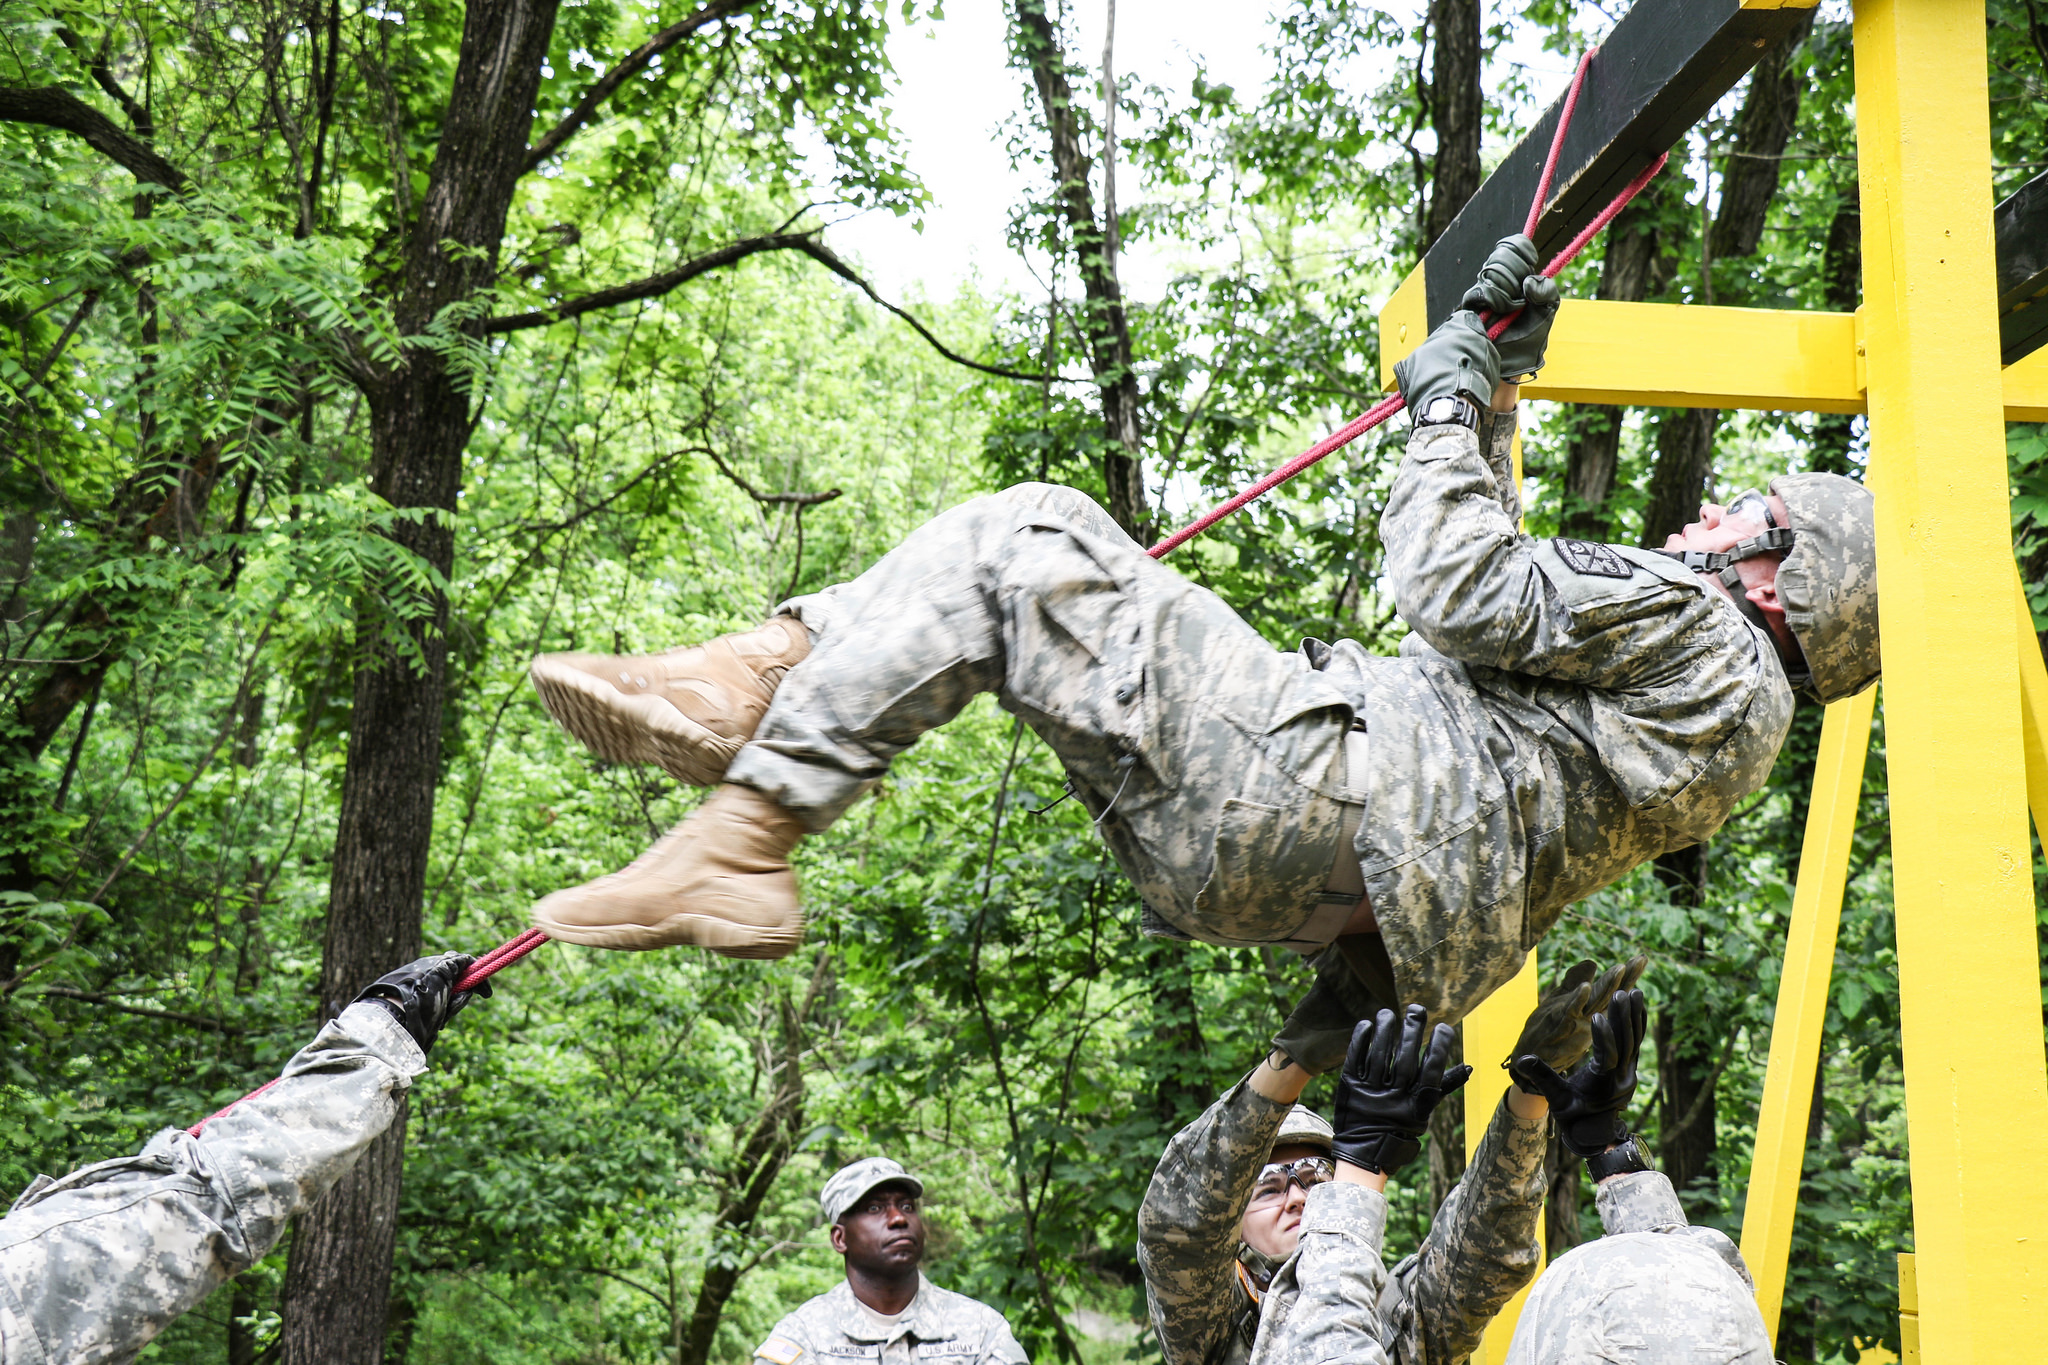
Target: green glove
point(1510, 283)
point(1560, 1028)
point(1455, 358)
point(1498, 290)
point(1588, 1105)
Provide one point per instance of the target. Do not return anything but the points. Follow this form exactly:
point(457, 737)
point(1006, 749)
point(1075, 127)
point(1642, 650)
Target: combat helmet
point(1827, 580)
point(1828, 583)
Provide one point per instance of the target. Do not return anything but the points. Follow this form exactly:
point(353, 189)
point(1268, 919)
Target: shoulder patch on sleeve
point(1592, 558)
point(781, 1350)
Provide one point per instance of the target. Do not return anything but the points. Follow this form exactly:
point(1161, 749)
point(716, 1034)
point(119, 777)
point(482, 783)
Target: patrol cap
point(1828, 583)
point(1304, 1127)
point(851, 1183)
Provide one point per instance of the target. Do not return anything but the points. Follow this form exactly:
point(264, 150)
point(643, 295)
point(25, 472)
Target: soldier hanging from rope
point(1561, 712)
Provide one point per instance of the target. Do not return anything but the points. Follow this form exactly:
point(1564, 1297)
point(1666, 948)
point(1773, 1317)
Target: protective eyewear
point(1271, 1186)
point(1750, 505)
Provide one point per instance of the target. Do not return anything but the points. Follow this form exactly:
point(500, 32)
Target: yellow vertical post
point(2033, 711)
point(1803, 999)
point(1977, 1100)
point(1490, 1031)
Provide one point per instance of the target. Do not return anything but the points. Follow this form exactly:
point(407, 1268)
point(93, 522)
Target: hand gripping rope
point(509, 952)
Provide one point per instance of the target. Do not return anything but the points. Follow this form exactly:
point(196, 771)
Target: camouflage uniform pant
point(1213, 762)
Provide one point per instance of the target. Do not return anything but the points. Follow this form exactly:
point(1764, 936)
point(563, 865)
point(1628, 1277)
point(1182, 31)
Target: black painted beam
point(2021, 223)
point(1661, 69)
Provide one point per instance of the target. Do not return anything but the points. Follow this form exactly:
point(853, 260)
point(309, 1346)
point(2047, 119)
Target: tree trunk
point(1685, 439)
point(1688, 1142)
point(766, 1149)
point(339, 1277)
point(1447, 1138)
point(1593, 452)
point(1678, 481)
point(1457, 102)
point(1181, 1088)
point(1103, 321)
point(1565, 1192)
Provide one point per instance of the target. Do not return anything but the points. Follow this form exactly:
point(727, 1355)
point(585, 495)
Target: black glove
point(1587, 1105)
point(1318, 1033)
point(422, 996)
point(1561, 1028)
point(1389, 1087)
point(1508, 283)
point(1455, 358)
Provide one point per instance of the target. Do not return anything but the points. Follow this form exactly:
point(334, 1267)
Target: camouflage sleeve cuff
point(1347, 1210)
point(1641, 1201)
point(364, 1027)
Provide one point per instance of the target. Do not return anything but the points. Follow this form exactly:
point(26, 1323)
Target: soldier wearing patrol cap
point(885, 1312)
point(1560, 713)
point(1225, 1212)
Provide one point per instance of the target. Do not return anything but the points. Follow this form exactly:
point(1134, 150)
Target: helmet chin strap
point(1721, 564)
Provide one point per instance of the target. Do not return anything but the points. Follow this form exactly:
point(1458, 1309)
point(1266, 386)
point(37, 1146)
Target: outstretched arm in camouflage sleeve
point(1188, 1223)
point(94, 1265)
point(1323, 1306)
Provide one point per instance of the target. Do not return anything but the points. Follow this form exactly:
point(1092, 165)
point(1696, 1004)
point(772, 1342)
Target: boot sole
point(623, 728)
point(681, 930)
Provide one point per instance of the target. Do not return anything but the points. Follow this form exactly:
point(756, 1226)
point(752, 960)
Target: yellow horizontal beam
point(1677, 355)
point(1670, 355)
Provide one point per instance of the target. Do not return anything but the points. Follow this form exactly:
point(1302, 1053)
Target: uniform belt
point(1346, 886)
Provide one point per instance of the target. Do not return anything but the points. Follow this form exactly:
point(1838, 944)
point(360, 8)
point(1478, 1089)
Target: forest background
point(351, 355)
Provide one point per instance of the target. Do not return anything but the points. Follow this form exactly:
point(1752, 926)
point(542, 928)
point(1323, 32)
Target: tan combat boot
point(719, 880)
point(687, 710)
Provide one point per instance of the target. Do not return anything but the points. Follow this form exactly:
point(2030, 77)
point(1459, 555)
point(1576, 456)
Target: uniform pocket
point(1270, 866)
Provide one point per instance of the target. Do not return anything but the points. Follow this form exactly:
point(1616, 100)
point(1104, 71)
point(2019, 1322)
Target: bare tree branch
point(53, 106)
point(103, 76)
point(606, 85)
point(654, 286)
point(826, 257)
point(792, 499)
point(177, 1016)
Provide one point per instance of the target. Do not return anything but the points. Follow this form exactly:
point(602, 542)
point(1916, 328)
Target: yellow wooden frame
point(1967, 731)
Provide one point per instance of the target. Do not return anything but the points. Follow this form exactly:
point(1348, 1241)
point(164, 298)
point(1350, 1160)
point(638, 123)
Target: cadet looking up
point(94, 1265)
point(885, 1310)
point(1654, 1290)
point(1224, 1208)
point(1561, 711)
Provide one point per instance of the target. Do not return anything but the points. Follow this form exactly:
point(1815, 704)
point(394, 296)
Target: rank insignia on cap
point(781, 1350)
point(1593, 558)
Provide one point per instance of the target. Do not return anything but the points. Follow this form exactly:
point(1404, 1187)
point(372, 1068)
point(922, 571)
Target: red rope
point(510, 951)
point(1393, 402)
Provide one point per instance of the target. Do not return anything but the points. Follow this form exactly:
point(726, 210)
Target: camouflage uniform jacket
point(940, 1326)
point(1481, 1248)
point(1653, 1291)
point(1562, 712)
point(94, 1265)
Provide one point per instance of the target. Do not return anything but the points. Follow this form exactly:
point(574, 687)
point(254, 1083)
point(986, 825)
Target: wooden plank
point(1673, 355)
point(1661, 69)
point(1490, 1034)
point(1780, 1151)
point(1693, 356)
point(2021, 225)
point(1976, 1116)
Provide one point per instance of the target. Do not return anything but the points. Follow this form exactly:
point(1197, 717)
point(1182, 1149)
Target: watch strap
point(1449, 409)
point(1625, 1158)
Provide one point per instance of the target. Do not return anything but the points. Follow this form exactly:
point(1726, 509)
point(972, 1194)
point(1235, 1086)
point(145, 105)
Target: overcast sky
point(956, 89)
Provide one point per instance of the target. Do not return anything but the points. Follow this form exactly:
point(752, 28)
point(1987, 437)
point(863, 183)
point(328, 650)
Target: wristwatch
point(1448, 408)
point(1625, 1158)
